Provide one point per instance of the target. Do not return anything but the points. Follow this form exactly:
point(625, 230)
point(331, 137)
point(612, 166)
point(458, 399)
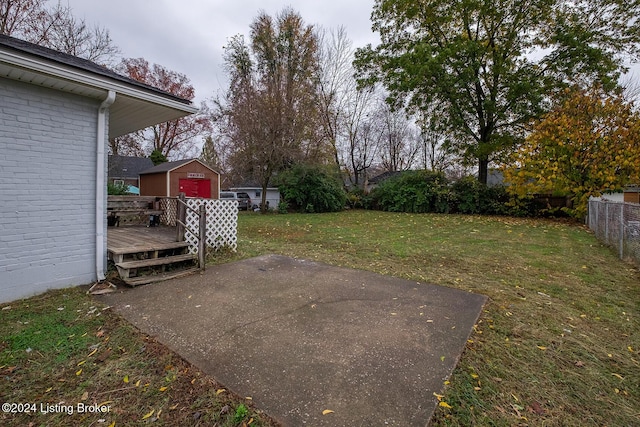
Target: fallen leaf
point(113, 424)
point(438, 396)
point(445, 405)
point(163, 388)
point(174, 406)
point(327, 411)
point(475, 376)
point(542, 348)
point(138, 383)
point(220, 390)
point(95, 350)
point(126, 379)
point(618, 376)
point(145, 416)
point(104, 355)
point(536, 408)
point(85, 396)
point(79, 372)
point(100, 333)
point(81, 363)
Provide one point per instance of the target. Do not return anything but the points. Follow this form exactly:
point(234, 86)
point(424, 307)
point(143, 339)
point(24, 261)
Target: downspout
point(101, 185)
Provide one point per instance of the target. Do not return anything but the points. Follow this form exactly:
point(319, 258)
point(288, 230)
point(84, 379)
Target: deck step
point(155, 250)
point(145, 280)
point(130, 270)
point(151, 262)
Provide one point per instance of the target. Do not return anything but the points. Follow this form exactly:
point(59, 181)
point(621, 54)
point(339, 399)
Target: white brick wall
point(47, 189)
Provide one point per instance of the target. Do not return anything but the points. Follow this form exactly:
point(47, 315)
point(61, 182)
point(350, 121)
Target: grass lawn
point(558, 343)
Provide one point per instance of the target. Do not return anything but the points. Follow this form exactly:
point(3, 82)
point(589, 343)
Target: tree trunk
point(263, 202)
point(483, 170)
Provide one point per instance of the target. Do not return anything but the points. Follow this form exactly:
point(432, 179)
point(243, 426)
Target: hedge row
point(426, 191)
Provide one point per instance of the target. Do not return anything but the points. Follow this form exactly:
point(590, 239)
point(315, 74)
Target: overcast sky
point(187, 36)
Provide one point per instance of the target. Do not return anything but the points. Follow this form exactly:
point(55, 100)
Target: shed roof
point(136, 106)
point(170, 166)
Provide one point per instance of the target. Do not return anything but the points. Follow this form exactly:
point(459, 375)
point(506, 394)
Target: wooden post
point(181, 216)
point(202, 240)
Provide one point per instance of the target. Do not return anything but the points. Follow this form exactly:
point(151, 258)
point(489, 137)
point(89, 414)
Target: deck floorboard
point(119, 238)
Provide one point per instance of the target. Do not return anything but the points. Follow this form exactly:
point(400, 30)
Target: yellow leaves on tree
point(589, 144)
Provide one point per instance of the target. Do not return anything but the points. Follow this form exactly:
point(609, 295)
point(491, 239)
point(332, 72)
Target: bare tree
point(435, 152)
point(19, 18)
point(58, 29)
point(335, 84)
point(127, 145)
point(399, 145)
point(65, 33)
point(269, 110)
point(363, 135)
point(175, 138)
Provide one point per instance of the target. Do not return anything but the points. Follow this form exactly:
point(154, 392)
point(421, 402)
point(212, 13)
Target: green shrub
point(469, 196)
point(117, 189)
point(311, 189)
point(414, 192)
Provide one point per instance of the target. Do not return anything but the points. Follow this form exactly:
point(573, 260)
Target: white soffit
point(134, 108)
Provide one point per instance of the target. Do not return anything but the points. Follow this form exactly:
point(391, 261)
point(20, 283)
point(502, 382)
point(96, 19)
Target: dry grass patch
point(67, 356)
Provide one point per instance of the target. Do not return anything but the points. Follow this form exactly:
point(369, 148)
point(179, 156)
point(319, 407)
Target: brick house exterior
point(56, 113)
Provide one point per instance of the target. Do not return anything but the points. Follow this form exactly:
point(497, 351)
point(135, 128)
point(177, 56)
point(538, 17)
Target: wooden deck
point(119, 238)
point(148, 254)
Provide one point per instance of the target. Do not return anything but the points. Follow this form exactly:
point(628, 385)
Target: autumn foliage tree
point(473, 60)
point(589, 144)
point(268, 114)
point(174, 138)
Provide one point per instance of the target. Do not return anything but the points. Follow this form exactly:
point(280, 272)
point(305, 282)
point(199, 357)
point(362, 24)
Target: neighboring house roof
point(128, 166)
point(136, 106)
point(252, 187)
point(170, 166)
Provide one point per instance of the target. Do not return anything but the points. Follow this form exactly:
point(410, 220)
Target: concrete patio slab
point(301, 337)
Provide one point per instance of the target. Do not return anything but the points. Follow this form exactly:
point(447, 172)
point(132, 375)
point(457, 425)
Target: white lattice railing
point(222, 224)
point(169, 206)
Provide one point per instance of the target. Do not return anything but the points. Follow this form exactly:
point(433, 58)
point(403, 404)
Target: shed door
point(196, 187)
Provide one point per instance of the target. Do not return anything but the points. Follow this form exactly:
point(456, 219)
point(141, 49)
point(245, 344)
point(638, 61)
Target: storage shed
point(189, 176)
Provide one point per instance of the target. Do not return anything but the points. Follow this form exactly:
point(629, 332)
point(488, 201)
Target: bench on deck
point(133, 210)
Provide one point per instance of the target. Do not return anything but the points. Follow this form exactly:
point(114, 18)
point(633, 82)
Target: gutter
point(91, 79)
point(103, 111)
